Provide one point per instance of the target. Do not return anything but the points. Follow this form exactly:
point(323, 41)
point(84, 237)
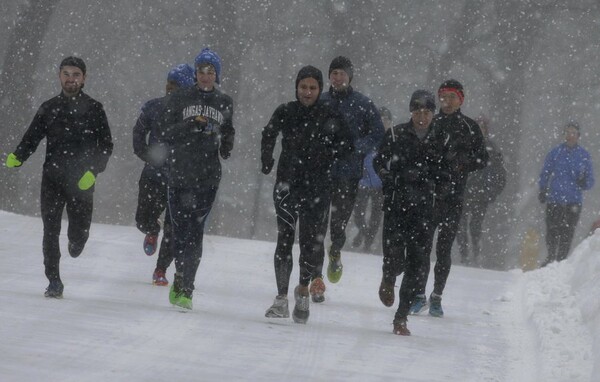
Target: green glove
point(87, 180)
point(12, 161)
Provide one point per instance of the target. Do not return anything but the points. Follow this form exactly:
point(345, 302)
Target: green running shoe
point(335, 267)
point(175, 290)
point(183, 301)
point(173, 294)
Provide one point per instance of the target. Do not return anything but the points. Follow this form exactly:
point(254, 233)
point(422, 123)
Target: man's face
point(206, 77)
point(421, 118)
point(308, 91)
point(571, 136)
point(171, 87)
point(450, 102)
point(339, 79)
point(71, 80)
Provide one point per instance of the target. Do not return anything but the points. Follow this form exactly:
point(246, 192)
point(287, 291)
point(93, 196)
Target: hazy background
point(528, 65)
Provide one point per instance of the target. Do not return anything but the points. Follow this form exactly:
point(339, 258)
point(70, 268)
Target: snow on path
point(113, 324)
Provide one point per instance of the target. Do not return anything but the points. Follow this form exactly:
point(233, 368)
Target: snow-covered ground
point(114, 325)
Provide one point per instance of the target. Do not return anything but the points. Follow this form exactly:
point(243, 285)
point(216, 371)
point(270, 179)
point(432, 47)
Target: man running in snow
point(365, 125)
point(409, 163)
point(464, 152)
point(197, 126)
point(152, 195)
point(78, 146)
point(313, 135)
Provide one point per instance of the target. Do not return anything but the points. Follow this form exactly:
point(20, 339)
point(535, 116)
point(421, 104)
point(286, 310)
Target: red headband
point(458, 92)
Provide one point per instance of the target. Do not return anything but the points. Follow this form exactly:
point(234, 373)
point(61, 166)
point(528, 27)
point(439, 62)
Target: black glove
point(267, 165)
point(225, 152)
point(542, 197)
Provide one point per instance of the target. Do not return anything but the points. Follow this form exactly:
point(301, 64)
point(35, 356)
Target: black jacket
point(409, 167)
point(312, 137)
point(194, 150)
point(464, 150)
point(77, 136)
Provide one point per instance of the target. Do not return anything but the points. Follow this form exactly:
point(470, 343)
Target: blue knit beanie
point(208, 56)
point(183, 75)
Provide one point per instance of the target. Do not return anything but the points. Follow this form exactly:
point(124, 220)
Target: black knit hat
point(73, 61)
point(312, 72)
point(344, 63)
point(422, 99)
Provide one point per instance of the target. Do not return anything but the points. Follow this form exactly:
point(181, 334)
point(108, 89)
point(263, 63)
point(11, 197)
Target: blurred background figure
point(483, 187)
point(370, 193)
point(566, 173)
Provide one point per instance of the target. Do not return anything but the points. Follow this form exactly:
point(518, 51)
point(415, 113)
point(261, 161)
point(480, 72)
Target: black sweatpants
point(343, 198)
point(446, 219)
point(189, 209)
point(561, 221)
point(152, 201)
point(53, 199)
point(407, 236)
point(311, 215)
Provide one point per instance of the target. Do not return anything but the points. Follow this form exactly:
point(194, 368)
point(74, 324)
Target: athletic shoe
point(419, 304)
point(386, 293)
point(159, 278)
point(75, 249)
point(150, 243)
point(317, 290)
point(435, 305)
point(335, 267)
point(301, 312)
point(400, 327)
point(175, 288)
point(184, 300)
point(55, 289)
point(279, 309)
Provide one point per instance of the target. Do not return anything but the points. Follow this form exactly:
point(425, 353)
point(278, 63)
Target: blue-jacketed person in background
point(370, 197)
point(566, 173)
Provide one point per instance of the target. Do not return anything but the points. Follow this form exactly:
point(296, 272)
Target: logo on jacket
point(204, 111)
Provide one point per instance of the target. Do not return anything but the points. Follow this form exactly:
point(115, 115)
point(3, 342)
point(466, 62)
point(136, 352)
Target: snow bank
point(561, 304)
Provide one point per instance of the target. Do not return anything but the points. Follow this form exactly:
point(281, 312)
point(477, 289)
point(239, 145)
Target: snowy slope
point(114, 325)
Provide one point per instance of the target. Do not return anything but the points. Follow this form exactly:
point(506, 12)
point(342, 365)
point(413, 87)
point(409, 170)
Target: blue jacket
point(370, 178)
point(365, 125)
point(145, 142)
point(566, 172)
